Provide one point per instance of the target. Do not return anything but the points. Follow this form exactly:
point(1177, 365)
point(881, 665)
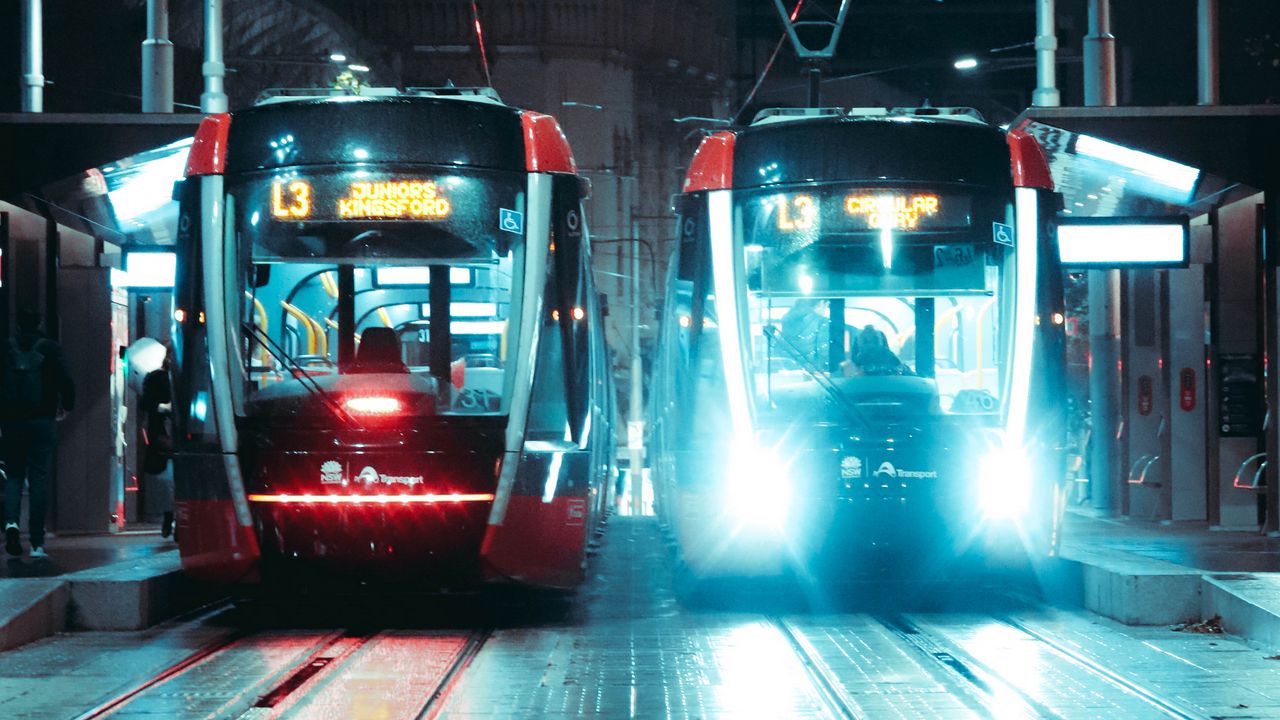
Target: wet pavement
point(1192, 545)
point(75, 553)
point(625, 646)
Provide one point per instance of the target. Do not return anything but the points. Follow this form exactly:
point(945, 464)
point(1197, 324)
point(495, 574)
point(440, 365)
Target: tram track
point(331, 656)
point(833, 696)
point(987, 685)
point(994, 686)
point(1100, 671)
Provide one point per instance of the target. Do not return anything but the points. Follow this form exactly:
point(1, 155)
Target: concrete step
point(127, 595)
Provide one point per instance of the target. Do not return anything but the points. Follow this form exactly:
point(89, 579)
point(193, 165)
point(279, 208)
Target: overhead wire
point(795, 12)
point(484, 56)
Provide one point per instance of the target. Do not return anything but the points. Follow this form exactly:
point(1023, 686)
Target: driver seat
point(379, 352)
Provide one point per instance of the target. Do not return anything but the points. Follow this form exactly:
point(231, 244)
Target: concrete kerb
point(1153, 592)
point(132, 595)
point(128, 595)
point(31, 609)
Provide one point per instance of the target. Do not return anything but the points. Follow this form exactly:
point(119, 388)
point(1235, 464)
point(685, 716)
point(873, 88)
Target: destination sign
point(297, 200)
point(863, 209)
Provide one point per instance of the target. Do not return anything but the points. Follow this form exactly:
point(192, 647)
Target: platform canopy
point(41, 148)
point(1111, 161)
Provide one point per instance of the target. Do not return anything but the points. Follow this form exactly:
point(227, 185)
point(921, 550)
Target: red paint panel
point(545, 147)
point(215, 547)
point(712, 166)
point(537, 543)
point(1030, 168)
point(209, 150)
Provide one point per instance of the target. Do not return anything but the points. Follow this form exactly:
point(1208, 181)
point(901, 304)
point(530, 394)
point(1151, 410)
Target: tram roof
point(409, 129)
point(891, 147)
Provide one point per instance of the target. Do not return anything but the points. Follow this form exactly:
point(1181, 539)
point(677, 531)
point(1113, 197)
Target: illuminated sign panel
point(387, 200)
point(865, 209)
point(892, 210)
point(1123, 242)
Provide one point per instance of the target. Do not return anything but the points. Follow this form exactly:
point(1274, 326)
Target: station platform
point(123, 581)
point(1145, 573)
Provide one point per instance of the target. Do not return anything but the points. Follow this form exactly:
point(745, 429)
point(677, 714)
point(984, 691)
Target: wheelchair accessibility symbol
point(511, 221)
point(1002, 233)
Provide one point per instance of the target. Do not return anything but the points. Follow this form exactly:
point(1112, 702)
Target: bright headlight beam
point(1004, 483)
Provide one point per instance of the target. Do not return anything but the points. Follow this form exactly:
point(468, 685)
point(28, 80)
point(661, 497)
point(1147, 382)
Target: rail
point(1139, 469)
point(1259, 475)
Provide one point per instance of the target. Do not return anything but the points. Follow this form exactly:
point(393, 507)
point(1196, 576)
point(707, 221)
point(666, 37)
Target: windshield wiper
point(299, 372)
point(824, 382)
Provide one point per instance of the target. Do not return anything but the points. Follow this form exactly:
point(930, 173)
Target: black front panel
point(871, 151)
point(375, 131)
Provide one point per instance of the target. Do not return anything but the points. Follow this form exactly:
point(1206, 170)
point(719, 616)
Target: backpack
point(23, 386)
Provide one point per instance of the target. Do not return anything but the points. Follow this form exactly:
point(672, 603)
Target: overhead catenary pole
point(32, 56)
point(1104, 288)
point(1207, 52)
point(214, 97)
point(635, 427)
point(157, 60)
point(1046, 93)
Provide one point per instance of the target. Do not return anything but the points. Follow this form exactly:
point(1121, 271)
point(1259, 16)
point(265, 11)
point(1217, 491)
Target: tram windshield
point(412, 314)
point(893, 296)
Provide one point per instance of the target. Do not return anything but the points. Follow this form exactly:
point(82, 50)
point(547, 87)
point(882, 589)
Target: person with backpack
point(35, 388)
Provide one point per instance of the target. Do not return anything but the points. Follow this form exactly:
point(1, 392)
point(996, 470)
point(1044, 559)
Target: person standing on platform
point(36, 389)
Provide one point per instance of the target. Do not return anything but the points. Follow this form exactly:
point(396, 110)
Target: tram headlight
point(1004, 483)
point(758, 489)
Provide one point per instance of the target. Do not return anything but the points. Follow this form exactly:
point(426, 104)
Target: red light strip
point(372, 499)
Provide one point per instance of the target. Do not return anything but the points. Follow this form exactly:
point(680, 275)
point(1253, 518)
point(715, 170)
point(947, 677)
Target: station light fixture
point(337, 57)
point(966, 63)
point(356, 67)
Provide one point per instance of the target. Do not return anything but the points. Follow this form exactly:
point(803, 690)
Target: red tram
point(390, 354)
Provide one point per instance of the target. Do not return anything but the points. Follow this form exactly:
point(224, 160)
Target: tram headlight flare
point(1004, 483)
point(758, 489)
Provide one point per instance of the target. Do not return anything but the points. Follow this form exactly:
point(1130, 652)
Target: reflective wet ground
point(624, 646)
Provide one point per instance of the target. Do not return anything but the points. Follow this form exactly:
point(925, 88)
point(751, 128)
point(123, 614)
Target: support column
point(157, 60)
point(214, 97)
point(32, 56)
point(1106, 476)
point(1271, 237)
point(1046, 93)
point(1207, 52)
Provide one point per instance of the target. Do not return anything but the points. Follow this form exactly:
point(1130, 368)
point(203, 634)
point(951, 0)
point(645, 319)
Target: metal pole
point(815, 86)
point(32, 56)
point(213, 99)
point(1207, 52)
point(635, 428)
point(1046, 93)
point(1271, 236)
point(157, 60)
point(1104, 287)
point(1100, 56)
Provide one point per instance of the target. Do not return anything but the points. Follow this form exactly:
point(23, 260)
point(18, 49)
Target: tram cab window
point(919, 306)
